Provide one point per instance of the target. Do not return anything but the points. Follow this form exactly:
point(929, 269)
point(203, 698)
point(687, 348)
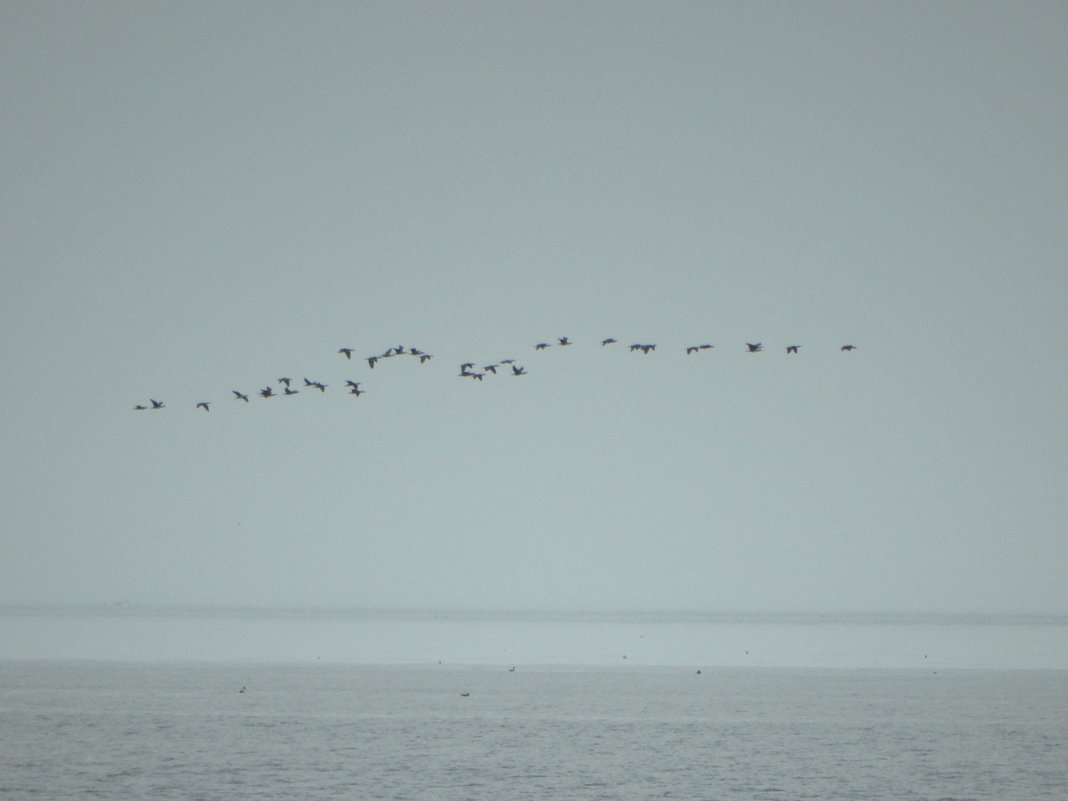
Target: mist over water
point(492, 638)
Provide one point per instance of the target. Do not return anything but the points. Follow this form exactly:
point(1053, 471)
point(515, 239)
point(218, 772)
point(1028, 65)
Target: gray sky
point(200, 197)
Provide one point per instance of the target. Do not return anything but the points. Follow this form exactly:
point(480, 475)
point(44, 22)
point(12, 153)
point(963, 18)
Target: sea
point(122, 703)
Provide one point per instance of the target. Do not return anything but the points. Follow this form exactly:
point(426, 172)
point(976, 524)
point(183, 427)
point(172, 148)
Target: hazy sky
point(201, 197)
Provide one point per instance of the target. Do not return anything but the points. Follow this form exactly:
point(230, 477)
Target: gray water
point(634, 728)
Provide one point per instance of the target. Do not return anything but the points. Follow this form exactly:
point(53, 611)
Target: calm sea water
point(134, 725)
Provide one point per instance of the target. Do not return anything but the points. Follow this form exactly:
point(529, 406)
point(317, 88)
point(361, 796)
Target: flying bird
point(347, 352)
point(357, 391)
point(371, 361)
point(518, 370)
point(287, 380)
point(563, 340)
point(140, 408)
point(754, 347)
point(608, 341)
point(267, 392)
point(156, 404)
point(203, 405)
point(541, 346)
point(292, 391)
point(792, 348)
point(849, 347)
point(239, 396)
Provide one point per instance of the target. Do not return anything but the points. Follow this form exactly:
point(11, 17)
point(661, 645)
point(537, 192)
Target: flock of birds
point(467, 369)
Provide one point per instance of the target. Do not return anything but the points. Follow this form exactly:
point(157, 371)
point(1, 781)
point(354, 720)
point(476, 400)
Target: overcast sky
point(203, 197)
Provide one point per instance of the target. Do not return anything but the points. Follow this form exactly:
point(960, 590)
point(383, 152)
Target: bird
point(754, 347)
point(292, 391)
point(156, 404)
point(563, 340)
point(423, 357)
point(467, 366)
point(371, 361)
point(353, 384)
point(792, 348)
point(287, 380)
point(319, 385)
point(541, 346)
point(357, 391)
point(518, 370)
point(203, 405)
point(239, 396)
point(491, 368)
point(140, 408)
point(608, 341)
point(346, 351)
point(267, 392)
point(849, 347)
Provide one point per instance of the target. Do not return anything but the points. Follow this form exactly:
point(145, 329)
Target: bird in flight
point(156, 404)
point(754, 347)
point(792, 348)
point(563, 340)
point(541, 346)
point(239, 396)
point(203, 405)
point(267, 392)
point(346, 351)
point(608, 341)
point(849, 347)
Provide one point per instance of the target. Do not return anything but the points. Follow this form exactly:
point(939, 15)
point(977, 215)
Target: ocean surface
point(125, 704)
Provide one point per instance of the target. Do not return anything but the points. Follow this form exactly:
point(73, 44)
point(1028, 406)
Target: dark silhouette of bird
point(357, 391)
point(492, 368)
point(849, 347)
point(541, 346)
point(754, 347)
point(319, 385)
point(203, 405)
point(289, 391)
point(563, 340)
point(140, 408)
point(423, 357)
point(507, 361)
point(467, 366)
point(346, 351)
point(518, 370)
point(371, 361)
point(792, 348)
point(287, 380)
point(705, 347)
point(353, 384)
point(239, 396)
point(608, 341)
point(267, 392)
point(157, 404)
